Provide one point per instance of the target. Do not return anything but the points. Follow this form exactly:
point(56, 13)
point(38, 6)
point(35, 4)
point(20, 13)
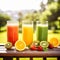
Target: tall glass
point(12, 31)
point(42, 31)
point(27, 32)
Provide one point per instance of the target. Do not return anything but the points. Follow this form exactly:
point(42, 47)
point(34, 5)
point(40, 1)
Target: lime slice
point(44, 44)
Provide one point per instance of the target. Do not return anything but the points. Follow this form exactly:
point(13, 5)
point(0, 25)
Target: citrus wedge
point(20, 45)
point(54, 42)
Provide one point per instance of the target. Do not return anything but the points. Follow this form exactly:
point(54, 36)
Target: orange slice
point(20, 45)
point(54, 42)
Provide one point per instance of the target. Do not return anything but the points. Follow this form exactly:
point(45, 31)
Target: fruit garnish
point(35, 43)
point(45, 49)
point(20, 45)
point(50, 46)
point(8, 45)
point(54, 42)
point(33, 47)
point(40, 48)
point(44, 44)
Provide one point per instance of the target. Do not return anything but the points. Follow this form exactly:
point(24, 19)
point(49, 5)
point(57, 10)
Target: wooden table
point(9, 54)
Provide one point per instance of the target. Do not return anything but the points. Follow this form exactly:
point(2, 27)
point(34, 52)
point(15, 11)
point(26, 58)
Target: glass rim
point(42, 24)
point(12, 23)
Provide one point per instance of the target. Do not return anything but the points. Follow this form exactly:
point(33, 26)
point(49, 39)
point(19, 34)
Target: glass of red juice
point(12, 31)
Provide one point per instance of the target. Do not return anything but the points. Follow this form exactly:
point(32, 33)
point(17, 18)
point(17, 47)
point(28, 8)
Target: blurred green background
point(49, 12)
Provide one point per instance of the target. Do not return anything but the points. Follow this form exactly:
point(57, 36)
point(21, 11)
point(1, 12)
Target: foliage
point(3, 19)
point(45, 15)
point(34, 16)
point(52, 13)
point(50, 1)
point(51, 8)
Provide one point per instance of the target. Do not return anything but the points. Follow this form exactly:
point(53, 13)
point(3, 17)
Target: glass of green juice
point(41, 31)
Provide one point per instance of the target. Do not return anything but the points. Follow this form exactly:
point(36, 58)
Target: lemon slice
point(44, 44)
point(20, 45)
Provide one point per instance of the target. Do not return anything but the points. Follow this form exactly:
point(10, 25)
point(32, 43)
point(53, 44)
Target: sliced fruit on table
point(54, 42)
point(50, 46)
point(36, 43)
point(8, 45)
point(44, 44)
point(33, 47)
point(40, 48)
point(20, 45)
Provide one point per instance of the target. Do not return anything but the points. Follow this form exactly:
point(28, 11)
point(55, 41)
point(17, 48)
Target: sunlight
point(17, 5)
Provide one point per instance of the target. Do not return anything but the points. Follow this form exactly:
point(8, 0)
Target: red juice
point(12, 34)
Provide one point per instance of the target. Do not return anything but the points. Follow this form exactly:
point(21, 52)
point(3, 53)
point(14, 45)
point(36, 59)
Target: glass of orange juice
point(27, 32)
point(12, 31)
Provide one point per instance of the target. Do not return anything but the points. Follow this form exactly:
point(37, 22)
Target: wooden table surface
point(55, 52)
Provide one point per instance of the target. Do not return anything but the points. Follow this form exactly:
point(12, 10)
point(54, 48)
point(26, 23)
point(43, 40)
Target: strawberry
point(50, 46)
point(40, 48)
point(33, 47)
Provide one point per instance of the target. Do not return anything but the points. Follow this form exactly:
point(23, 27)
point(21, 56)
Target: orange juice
point(27, 31)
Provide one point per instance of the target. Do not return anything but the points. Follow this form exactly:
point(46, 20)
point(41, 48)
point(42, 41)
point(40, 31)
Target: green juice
point(42, 32)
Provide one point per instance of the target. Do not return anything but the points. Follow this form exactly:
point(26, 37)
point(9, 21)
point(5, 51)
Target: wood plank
point(29, 53)
point(58, 58)
point(31, 58)
point(44, 58)
point(17, 58)
point(7, 58)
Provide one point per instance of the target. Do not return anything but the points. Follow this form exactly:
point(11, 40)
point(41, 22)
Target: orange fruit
point(54, 42)
point(20, 45)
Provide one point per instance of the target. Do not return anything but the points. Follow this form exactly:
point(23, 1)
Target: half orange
point(20, 45)
point(54, 42)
